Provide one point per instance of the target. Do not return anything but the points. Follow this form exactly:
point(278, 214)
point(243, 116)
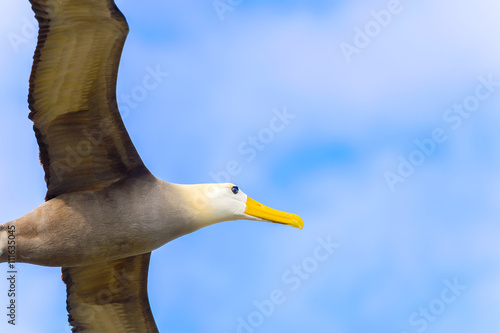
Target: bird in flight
point(104, 211)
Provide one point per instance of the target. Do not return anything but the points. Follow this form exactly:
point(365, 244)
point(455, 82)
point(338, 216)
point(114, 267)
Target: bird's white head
point(226, 202)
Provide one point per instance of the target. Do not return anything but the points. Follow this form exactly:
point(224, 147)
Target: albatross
point(104, 212)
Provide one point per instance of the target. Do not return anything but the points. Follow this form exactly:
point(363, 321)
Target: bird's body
point(105, 212)
point(135, 216)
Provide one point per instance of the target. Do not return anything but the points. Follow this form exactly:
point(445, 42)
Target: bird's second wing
point(83, 141)
point(110, 297)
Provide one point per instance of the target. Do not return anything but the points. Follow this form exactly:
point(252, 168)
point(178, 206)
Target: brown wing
point(83, 141)
point(110, 297)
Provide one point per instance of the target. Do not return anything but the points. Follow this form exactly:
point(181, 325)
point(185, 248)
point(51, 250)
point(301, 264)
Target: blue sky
point(411, 104)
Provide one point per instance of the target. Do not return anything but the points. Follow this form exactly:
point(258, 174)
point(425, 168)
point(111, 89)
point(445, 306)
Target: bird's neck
point(193, 203)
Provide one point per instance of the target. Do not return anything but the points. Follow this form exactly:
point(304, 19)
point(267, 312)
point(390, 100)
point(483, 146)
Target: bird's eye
point(235, 189)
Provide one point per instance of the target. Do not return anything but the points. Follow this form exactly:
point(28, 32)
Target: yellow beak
point(257, 209)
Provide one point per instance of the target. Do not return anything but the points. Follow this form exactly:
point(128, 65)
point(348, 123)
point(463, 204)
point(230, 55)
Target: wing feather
point(83, 141)
point(110, 297)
